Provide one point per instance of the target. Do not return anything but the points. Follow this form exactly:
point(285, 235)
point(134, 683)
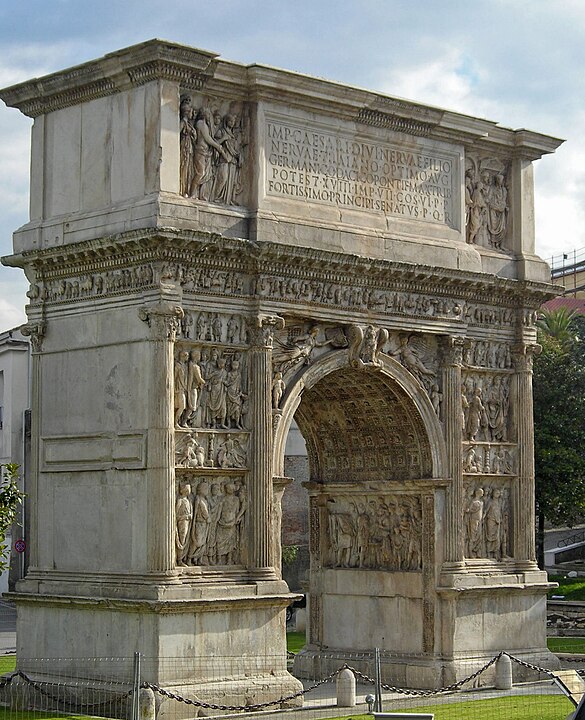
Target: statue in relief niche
point(229, 518)
point(203, 149)
point(474, 525)
point(234, 395)
point(217, 397)
point(497, 211)
point(184, 516)
point(476, 415)
point(497, 403)
point(226, 184)
point(180, 388)
point(200, 524)
point(195, 382)
point(486, 202)
point(278, 388)
point(493, 520)
point(187, 141)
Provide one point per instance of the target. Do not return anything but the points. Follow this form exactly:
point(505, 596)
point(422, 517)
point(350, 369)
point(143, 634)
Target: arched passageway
point(376, 497)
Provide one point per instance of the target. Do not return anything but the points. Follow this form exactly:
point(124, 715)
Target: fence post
point(136, 688)
point(378, 676)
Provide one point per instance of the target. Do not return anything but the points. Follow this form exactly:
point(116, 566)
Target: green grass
point(295, 641)
point(515, 707)
point(571, 588)
point(566, 645)
point(7, 664)
point(6, 714)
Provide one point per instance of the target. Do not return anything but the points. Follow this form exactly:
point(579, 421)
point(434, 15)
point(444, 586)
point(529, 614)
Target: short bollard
point(345, 687)
point(503, 673)
point(146, 704)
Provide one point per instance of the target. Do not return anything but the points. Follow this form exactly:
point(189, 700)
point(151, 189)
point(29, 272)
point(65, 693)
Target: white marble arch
point(390, 368)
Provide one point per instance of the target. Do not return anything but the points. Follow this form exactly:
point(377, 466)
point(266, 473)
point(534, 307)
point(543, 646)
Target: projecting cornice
point(117, 71)
point(192, 69)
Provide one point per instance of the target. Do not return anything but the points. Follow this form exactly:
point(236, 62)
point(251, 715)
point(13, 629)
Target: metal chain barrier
point(426, 693)
point(72, 704)
point(259, 706)
point(234, 708)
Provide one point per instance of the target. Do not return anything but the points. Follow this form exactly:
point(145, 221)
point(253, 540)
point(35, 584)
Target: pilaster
point(35, 330)
point(523, 494)
point(452, 356)
point(163, 319)
point(262, 564)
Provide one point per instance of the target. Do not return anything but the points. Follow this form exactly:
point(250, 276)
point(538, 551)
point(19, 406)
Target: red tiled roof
point(576, 304)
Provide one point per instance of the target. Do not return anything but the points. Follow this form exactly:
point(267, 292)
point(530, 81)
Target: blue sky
point(518, 62)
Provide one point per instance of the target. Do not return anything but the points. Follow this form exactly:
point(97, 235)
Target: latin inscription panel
point(414, 181)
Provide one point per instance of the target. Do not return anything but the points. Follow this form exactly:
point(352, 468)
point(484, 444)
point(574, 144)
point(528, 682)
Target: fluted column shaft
point(36, 332)
point(261, 562)
point(523, 494)
point(163, 319)
point(453, 427)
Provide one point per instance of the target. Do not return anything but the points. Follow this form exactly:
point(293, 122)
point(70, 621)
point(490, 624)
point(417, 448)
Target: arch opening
point(375, 486)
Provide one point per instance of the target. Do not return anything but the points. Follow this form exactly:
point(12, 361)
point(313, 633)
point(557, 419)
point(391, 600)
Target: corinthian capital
point(261, 330)
point(452, 349)
point(36, 332)
point(523, 355)
point(163, 319)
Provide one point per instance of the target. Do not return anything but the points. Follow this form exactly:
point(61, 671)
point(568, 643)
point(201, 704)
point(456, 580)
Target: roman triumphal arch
point(214, 249)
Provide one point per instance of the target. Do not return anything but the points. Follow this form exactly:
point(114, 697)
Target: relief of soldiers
point(384, 533)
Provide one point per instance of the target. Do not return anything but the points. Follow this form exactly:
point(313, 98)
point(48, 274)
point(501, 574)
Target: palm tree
point(558, 324)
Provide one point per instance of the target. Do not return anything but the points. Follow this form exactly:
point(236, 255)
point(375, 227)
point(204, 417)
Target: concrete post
point(504, 673)
point(345, 688)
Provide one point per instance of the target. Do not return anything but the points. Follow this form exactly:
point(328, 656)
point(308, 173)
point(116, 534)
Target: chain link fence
point(144, 688)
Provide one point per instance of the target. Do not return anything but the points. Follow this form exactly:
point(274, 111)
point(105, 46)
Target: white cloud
point(11, 315)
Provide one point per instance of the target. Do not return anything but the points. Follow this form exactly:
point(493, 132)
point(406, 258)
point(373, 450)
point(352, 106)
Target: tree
point(558, 324)
point(559, 424)
point(10, 499)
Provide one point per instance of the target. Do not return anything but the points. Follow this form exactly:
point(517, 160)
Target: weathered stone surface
point(215, 250)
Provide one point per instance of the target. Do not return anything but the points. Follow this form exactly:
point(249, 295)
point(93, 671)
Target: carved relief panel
point(210, 382)
point(382, 532)
point(485, 402)
point(486, 201)
point(487, 520)
point(210, 517)
point(213, 142)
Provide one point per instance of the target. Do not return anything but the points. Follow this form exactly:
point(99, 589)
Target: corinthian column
point(36, 332)
point(523, 424)
point(163, 318)
point(261, 563)
point(452, 356)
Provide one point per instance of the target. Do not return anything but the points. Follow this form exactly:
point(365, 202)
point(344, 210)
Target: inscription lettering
point(347, 173)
